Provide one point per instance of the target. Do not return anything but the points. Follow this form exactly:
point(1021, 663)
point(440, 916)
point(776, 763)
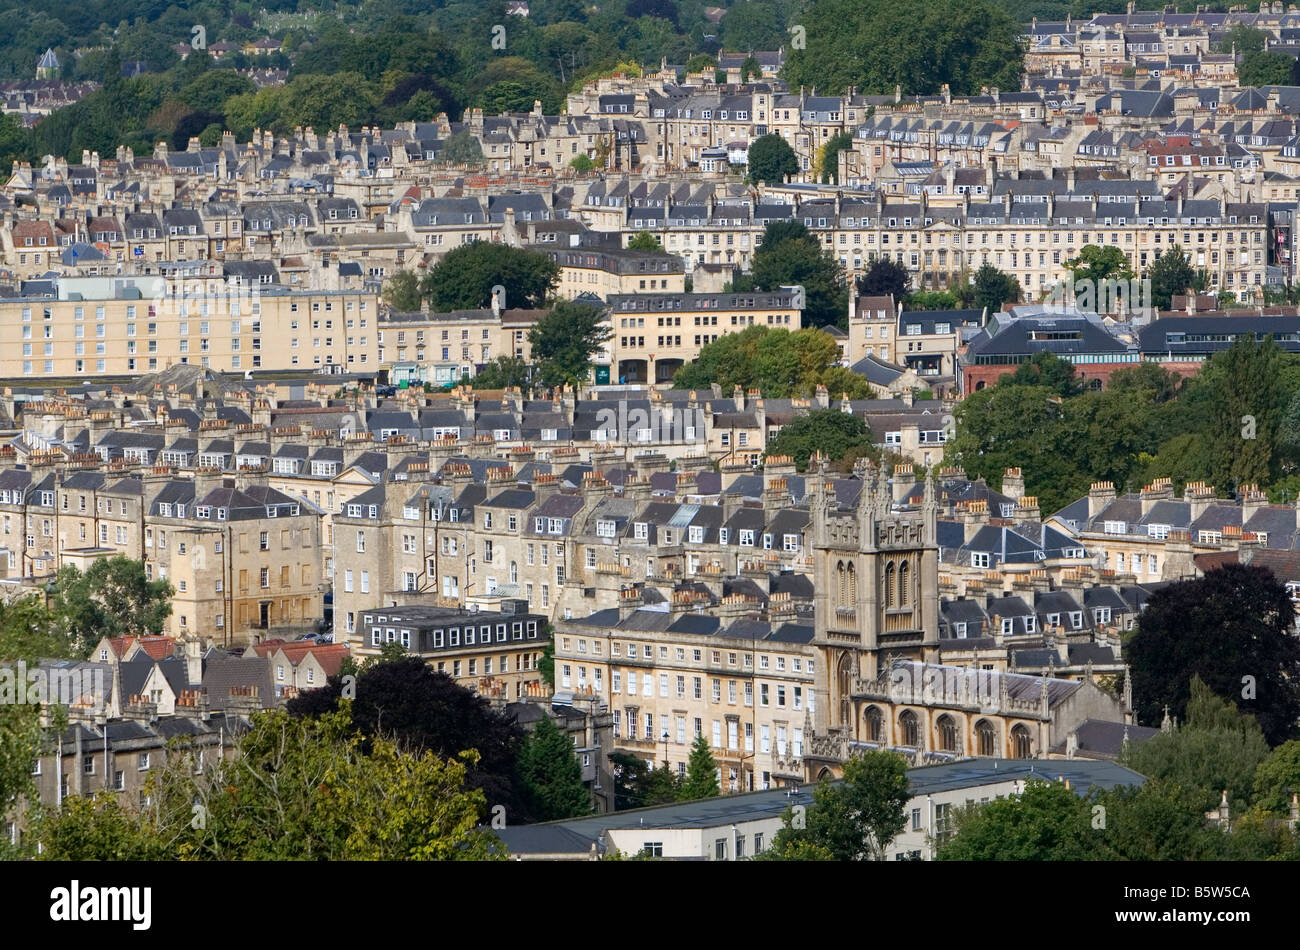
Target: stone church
point(876, 577)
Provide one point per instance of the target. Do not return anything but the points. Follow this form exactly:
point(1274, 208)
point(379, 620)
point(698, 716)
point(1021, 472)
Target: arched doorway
point(986, 738)
point(910, 729)
point(1021, 743)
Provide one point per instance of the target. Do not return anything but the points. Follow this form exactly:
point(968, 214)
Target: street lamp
point(665, 738)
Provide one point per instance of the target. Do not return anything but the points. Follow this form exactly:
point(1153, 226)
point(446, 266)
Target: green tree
point(460, 148)
point(1171, 273)
point(775, 361)
point(464, 278)
point(295, 789)
point(788, 256)
point(1216, 748)
point(1096, 264)
point(992, 288)
point(1045, 822)
point(751, 26)
point(885, 276)
point(111, 598)
point(1160, 384)
point(1156, 821)
point(546, 662)
point(1241, 39)
point(629, 780)
point(581, 163)
point(565, 340)
point(1048, 370)
point(701, 779)
point(1245, 392)
point(502, 373)
point(426, 711)
point(644, 241)
point(855, 819)
point(1277, 778)
point(550, 776)
point(402, 291)
point(1265, 68)
point(661, 786)
point(750, 68)
point(829, 163)
point(699, 63)
point(833, 433)
point(771, 159)
point(879, 45)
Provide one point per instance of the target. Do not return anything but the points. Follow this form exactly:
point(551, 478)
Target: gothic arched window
point(947, 728)
point(911, 729)
point(844, 674)
point(889, 584)
point(904, 577)
point(1021, 744)
point(875, 724)
point(986, 738)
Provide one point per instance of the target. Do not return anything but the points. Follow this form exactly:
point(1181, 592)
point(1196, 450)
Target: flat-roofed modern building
point(735, 827)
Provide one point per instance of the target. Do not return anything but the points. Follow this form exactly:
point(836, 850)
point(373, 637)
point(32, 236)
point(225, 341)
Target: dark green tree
point(550, 775)
point(992, 288)
point(701, 779)
point(1245, 395)
point(629, 780)
point(1265, 68)
point(788, 256)
point(1232, 628)
point(661, 786)
point(1277, 778)
point(1241, 39)
point(885, 276)
point(751, 26)
point(464, 278)
point(771, 159)
point(565, 340)
point(429, 711)
point(1171, 273)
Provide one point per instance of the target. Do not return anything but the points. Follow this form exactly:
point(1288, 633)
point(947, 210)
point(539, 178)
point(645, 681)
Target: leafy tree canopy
point(877, 46)
point(464, 278)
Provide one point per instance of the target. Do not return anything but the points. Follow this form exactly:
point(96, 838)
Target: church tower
point(876, 593)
